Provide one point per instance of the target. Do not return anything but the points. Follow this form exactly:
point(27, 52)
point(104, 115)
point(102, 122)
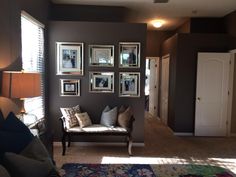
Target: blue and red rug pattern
point(140, 170)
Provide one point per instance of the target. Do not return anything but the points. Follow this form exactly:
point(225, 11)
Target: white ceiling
point(174, 12)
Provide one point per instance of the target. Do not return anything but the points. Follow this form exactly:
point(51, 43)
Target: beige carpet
point(161, 147)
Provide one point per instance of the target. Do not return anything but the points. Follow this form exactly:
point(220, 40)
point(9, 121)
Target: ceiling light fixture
point(157, 23)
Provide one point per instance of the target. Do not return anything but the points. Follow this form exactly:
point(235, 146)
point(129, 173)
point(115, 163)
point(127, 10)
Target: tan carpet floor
point(161, 147)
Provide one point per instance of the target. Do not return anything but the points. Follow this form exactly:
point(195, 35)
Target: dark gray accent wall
point(183, 50)
point(66, 12)
point(155, 40)
point(94, 103)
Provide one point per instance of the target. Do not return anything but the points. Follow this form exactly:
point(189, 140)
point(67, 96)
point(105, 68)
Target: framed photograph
point(129, 84)
point(101, 55)
point(101, 82)
point(70, 87)
point(69, 58)
point(129, 54)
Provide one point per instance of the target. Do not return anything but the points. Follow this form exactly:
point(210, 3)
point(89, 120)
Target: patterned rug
point(138, 170)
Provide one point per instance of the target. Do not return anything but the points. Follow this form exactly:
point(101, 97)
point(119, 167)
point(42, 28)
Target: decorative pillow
point(13, 124)
point(122, 109)
point(109, 117)
point(69, 114)
point(18, 165)
point(3, 172)
point(1, 118)
point(14, 141)
point(36, 150)
point(107, 108)
point(125, 117)
point(84, 119)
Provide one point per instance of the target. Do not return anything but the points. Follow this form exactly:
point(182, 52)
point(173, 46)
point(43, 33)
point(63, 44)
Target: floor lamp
point(21, 85)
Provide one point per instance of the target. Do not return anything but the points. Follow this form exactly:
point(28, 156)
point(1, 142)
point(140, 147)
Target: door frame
point(231, 83)
point(158, 82)
point(167, 56)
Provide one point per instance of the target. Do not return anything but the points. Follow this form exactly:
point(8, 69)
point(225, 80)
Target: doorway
point(151, 85)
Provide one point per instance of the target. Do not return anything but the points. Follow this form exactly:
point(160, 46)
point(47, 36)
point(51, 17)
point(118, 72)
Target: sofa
point(21, 153)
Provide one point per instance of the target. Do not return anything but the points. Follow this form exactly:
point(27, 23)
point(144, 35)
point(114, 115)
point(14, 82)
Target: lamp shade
point(21, 84)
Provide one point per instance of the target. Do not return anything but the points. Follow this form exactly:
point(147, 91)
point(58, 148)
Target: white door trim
point(231, 83)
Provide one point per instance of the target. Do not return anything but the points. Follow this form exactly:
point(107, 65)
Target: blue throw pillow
point(14, 141)
point(1, 118)
point(13, 124)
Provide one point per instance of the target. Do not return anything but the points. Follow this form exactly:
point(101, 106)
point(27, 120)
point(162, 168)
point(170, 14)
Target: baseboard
point(99, 144)
point(183, 134)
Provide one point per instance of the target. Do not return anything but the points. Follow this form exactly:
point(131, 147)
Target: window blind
point(32, 38)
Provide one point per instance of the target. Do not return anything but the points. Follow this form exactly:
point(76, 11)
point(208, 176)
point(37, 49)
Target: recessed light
point(157, 23)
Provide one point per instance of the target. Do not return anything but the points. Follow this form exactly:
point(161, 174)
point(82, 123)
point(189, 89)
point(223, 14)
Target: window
point(32, 38)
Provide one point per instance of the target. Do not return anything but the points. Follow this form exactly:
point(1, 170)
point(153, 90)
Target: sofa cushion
point(14, 141)
point(36, 150)
point(69, 115)
point(124, 118)
point(109, 117)
point(3, 172)
point(98, 128)
point(83, 119)
point(20, 166)
point(13, 124)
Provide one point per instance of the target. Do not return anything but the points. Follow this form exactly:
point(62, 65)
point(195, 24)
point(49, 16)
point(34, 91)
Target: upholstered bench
point(97, 129)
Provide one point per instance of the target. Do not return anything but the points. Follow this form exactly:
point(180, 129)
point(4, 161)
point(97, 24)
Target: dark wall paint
point(65, 12)
point(183, 78)
point(185, 28)
point(230, 23)
point(170, 47)
point(94, 103)
point(154, 41)
point(207, 25)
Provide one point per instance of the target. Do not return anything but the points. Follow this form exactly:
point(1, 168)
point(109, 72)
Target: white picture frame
point(69, 58)
point(69, 87)
point(129, 54)
point(101, 55)
point(129, 84)
point(101, 82)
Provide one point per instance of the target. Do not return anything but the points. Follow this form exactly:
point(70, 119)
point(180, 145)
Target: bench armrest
point(131, 122)
point(63, 123)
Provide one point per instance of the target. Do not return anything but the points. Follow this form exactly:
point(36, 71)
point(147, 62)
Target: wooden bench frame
point(66, 135)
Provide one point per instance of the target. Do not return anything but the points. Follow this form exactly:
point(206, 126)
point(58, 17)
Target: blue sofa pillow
point(1, 118)
point(14, 141)
point(13, 124)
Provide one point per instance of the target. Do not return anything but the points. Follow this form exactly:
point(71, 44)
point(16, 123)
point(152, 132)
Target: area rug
point(138, 170)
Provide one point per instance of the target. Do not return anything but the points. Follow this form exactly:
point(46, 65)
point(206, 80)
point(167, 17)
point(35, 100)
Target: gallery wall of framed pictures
point(70, 61)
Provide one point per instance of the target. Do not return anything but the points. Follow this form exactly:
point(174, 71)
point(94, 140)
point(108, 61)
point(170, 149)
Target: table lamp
point(21, 85)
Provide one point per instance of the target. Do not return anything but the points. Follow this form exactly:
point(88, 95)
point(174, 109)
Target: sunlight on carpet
point(229, 164)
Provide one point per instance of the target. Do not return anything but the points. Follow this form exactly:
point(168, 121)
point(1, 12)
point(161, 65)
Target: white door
point(212, 94)
point(153, 85)
point(164, 88)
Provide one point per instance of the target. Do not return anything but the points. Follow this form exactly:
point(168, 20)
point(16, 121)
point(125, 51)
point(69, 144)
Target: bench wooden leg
point(130, 143)
point(69, 140)
point(63, 141)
